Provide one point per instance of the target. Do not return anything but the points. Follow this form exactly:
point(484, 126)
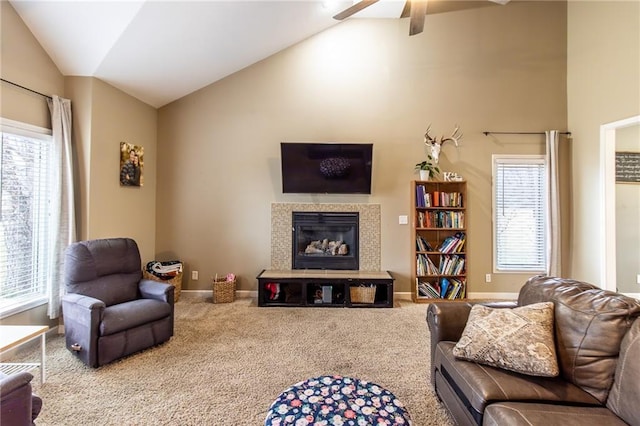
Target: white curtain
point(554, 234)
point(63, 210)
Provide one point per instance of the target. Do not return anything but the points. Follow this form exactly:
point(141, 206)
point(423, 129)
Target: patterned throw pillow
point(518, 339)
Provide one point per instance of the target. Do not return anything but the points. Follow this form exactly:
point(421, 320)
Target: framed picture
point(131, 164)
point(627, 167)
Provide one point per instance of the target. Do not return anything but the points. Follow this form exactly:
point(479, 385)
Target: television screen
point(326, 168)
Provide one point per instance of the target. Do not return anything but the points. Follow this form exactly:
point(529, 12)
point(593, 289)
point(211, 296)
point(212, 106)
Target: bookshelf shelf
point(439, 239)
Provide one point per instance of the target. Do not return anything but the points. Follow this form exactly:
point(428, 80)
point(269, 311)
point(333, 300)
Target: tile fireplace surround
point(281, 224)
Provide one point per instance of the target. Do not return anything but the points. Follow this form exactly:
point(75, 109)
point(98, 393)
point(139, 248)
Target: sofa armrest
point(150, 289)
point(446, 320)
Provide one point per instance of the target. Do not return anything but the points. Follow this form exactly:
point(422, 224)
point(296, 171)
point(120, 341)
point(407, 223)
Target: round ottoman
point(336, 400)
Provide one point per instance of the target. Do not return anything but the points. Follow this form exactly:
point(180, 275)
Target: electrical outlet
point(638, 279)
point(194, 275)
point(403, 219)
point(487, 278)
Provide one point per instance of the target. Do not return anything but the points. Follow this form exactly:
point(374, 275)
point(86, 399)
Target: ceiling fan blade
point(502, 2)
point(418, 12)
point(354, 9)
point(406, 10)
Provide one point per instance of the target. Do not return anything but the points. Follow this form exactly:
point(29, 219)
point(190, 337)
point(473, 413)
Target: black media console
point(325, 288)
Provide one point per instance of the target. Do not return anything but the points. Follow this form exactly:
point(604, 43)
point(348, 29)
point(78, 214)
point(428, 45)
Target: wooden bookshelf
point(439, 240)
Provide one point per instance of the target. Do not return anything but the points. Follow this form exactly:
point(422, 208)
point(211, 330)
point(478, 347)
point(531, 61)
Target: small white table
point(12, 336)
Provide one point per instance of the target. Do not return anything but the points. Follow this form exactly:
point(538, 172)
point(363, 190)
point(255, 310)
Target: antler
point(455, 136)
point(428, 139)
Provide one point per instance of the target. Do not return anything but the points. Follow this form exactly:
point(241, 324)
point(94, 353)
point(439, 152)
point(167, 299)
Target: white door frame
point(608, 194)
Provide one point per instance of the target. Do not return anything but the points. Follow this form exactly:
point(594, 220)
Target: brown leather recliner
point(597, 336)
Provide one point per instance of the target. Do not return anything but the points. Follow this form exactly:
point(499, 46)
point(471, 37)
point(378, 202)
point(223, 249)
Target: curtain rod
point(487, 133)
point(26, 88)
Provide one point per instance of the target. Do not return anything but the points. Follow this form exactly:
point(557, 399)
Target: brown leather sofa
point(597, 338)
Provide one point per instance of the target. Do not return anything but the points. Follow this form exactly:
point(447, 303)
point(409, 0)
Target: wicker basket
point(176, 282)
point(224, 290)
point(362, 294)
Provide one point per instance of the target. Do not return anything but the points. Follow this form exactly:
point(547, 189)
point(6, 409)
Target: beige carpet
point(228, 362)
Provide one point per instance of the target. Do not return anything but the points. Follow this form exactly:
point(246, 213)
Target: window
point(25, 167)
point(519, 213)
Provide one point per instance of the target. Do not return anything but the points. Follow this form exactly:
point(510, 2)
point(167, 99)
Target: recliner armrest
point(12, 382)
point(86, 302)
point(150, 289)
point(18, 405)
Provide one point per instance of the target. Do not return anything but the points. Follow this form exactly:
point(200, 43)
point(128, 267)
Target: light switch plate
point(403, 219)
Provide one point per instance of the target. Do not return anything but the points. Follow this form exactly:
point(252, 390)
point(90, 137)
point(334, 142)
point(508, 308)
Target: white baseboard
point(239, 293)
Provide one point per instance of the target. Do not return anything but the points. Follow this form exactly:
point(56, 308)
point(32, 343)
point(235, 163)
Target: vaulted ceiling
point(159, 51)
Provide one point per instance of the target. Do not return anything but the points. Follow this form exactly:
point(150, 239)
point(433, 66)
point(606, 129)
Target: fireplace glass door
point(324, 240)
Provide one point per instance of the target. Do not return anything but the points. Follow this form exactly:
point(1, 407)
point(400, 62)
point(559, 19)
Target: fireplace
point(325, 240)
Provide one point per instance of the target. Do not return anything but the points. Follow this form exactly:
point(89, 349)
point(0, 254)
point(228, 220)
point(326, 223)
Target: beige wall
point(103, 116)
point(20, 56)
point(24, 61)
point(603, 66)
point(113, 210)
point(492, 68)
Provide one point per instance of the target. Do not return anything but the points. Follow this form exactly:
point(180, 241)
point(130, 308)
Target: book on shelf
point(451, 264)
point(428, 289)
point(450, 199)
point(453, 243)
point(450, 289)
point(420, 196)
point(422, 244)
point(455, 288)
point(425, 266)
point(423, 198)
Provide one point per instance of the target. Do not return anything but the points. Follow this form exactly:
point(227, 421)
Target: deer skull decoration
point(434, 144)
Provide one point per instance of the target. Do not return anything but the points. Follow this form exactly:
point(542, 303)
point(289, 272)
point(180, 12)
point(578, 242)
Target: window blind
point(24, 216)
point(520, 213)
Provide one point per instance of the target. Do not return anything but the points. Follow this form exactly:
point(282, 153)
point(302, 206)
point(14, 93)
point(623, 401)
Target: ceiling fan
point(414, 9)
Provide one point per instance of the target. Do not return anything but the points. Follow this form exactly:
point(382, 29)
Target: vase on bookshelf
point(424, 174)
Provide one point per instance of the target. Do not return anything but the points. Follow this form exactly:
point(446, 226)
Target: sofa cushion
point(518, 339)
point(590, 324)
point(527, 414)
point(132, 314)
point(625, 393)
point(478, 385)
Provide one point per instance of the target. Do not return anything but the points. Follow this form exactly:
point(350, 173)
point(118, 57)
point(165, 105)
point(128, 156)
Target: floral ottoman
point(336, 400)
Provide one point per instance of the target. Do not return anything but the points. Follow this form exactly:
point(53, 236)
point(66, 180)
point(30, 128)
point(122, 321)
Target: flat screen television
point(326, 168)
